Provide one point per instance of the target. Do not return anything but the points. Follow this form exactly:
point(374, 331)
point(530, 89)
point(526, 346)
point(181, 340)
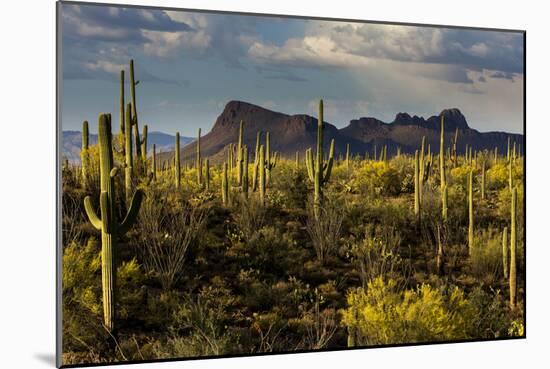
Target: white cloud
point(165, 44)
point(104, 66)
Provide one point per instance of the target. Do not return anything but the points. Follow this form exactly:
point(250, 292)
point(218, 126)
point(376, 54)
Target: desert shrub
point(486, 257)
point(325, 228)
point(199, 326)
point(165, 236)
point(318, 323)
point(376, 254)
point(382, 314)
point(292, 183)
point(249, 216)
point(378, 178)
point(492, 318)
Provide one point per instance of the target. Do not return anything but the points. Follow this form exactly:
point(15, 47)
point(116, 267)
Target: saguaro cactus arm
point(91, 213)
point(133, 210)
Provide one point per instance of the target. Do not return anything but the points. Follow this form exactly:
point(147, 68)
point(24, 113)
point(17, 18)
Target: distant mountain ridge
point(72, 143)
point(291, 133)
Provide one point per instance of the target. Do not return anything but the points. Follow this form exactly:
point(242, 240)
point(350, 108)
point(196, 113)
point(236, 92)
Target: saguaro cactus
point(319, 171)
point(244, 178)
point(270, 160)
point(297, 160)
point(256, 161)
point(198, 160)
point(84, 154)
point(128, 154)
point(513, 246)
point(134, 120)
point(455, 154)
point(154, 163)
point(262, 179)
point(177, 167)
point(416, 184)
point(106, 222)
point(421, 168)
point(347, 156)
point(439, 257)
point(240, 154)
point(442, 153)
point(143, 144)
point(505, 252)
point(483, 179)
point(207, 174)
point(122, 106)
point(470, 213)
point(444, 200)
point(225, 185)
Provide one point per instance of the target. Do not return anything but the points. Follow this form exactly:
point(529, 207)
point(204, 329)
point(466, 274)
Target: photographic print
point(239, 184)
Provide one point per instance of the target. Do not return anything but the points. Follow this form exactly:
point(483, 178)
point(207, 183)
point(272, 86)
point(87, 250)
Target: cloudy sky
point(191, 64)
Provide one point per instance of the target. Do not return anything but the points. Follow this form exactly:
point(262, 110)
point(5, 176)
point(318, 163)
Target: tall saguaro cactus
point(319, 171)
point(444, 200)
point(505, 252)
point(154, 163)
point(128, 154)
point(106, 222)
point(198, 160)
point(177, 167)
point(262, 174)
point(240, 154)
point(270, 160)
point(416, 184)
point(84, 154)
point(143, 144)
point(442, 153)
point(513, 263)
point(207, 174)
point(470, 213)
point(483, 179)
point(225, 185)
point(347, 156)
point(256, 161)
point(244, 177)
point(455, 154)
point(133, 84)
point(122, 106)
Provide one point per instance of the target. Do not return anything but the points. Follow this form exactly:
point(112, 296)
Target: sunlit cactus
point(225, 185)
point(128, 153)
point(106, 221)
point(318, 170)
point(416, 184)
point(513, 250)
point(154, 163)
point(470, 212)
point(84, 154)
point(207, 174)
point(270, 159)
point(244, 177)
point(505, 256)
point(198, 160)
point(262, 175)
point(240, 161)
point(256, 162)
point(177, 164)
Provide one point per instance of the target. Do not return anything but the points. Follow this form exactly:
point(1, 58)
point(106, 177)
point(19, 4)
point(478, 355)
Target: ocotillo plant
point(270, 160)
point(106, 222)
point(513, 267)
point(244, 177)
point(470, 212)
point(505, 252)
point(256, 161)
point(319, 171)
point(154, 163)
point(84, 154)
point(198, 160)
point(128, 154)
point(442, 153)
point(225, 185)
point(207, 174)
point(177, 168)
point(416, 184)
point(240, 154)
point(262, 175)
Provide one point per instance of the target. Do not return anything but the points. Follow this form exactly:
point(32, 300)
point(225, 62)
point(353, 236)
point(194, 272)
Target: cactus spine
point(128, 154)
point(225, 185)
point(505, 252)
point(240, 154)
point(318, 171)
point(84, 155)
point(198, 160)
point(177, 167)
point(513, 268)
point(416, 184)
point(470, 213)
point(106, 222)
